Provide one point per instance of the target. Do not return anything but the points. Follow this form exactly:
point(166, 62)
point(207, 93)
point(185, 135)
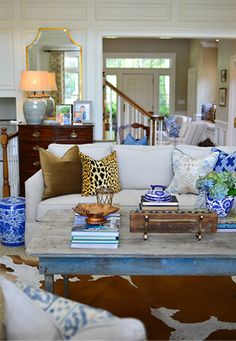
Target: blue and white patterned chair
point(34, 314)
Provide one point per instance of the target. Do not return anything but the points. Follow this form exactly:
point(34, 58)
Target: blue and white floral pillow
point(171, 126)
point(225, 162)
point(130, 140)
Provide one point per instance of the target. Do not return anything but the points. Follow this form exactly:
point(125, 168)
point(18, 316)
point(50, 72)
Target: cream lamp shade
point(34, 81)
point(35, 106)
point(52, 81)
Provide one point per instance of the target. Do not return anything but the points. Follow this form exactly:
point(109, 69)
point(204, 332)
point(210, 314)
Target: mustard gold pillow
point(61, 175)
point(99, 173)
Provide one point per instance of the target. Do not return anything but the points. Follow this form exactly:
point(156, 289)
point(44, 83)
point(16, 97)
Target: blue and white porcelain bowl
point(12, 211)
point(157, 195)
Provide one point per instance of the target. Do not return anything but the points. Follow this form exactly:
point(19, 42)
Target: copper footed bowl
point(95, 213)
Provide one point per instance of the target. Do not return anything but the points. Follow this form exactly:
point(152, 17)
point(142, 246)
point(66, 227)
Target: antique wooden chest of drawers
point(31, 137)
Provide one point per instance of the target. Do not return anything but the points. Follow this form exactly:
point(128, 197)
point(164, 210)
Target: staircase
point(127, 111)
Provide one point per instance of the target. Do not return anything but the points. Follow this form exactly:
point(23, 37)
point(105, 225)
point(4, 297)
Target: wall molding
point(208, 12)
point(53, 11)
point(6, 11)
point(133, 12)
point(6, 61)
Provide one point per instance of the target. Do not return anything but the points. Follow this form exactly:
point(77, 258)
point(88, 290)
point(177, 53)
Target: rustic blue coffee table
point(167, 254)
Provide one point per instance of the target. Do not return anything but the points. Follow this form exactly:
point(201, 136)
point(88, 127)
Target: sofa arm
point(34, 187)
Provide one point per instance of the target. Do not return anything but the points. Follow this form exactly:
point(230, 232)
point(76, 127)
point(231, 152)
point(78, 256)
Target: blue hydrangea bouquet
point(217, 185)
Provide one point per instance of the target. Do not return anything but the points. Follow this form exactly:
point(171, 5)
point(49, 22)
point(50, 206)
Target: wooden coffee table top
point(53, 240)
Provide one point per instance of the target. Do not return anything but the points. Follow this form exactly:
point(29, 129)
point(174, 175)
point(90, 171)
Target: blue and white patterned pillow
point(225, 162)
point(130, 140)
point(171, 126)
point(70, 316)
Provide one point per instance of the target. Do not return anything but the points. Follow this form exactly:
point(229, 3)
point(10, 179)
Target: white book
point(94, 246)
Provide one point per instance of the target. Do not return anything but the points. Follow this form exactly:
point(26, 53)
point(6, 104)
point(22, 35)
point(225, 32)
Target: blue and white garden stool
point(12, 220)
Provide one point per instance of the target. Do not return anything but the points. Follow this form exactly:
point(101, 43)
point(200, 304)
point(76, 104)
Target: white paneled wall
point(89, 21)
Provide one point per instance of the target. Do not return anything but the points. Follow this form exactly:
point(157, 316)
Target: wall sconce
point(35, 105)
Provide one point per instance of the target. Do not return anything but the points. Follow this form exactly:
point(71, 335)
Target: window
point(111, 97)
point(72, 77)
point(138, 63)
point(164, 94)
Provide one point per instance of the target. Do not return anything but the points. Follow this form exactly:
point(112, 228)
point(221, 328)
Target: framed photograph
point(82, 112)
point(63, 114)
point(223, 75)
point(222, 96)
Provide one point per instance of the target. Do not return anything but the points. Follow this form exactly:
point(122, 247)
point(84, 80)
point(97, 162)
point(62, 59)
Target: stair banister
point(6, 140)
point(133, 112)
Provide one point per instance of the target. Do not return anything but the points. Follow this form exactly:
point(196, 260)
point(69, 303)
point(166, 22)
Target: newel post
point(4, 142)
point(156, 126)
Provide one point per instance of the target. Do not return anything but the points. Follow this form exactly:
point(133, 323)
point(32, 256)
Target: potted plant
point(220, 189)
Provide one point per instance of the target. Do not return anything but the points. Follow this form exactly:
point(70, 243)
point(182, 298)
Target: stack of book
point(227, 224)
point(96, 236)
point(171, 205)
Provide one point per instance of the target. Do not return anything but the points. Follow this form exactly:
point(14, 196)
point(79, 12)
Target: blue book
point(226, 227)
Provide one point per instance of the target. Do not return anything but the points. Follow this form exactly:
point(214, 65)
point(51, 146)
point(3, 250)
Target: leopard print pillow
point(99, 173)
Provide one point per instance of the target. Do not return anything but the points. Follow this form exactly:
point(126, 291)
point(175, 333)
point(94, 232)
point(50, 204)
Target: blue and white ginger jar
point(221, 207)
point(12, 221)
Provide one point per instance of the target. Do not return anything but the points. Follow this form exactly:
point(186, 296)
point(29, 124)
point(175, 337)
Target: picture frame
point(222, 96)
point(223, 75)
point(63, 114)
point(82, 112)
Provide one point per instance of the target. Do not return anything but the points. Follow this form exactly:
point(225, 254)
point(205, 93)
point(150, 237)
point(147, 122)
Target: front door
point(139, 87)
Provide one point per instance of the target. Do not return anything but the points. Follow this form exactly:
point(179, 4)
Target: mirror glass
point(54, 50)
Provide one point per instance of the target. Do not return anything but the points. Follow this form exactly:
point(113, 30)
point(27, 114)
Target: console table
point(31, 137)
point(162, 254)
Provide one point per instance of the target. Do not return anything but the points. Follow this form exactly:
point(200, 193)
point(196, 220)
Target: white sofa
point(139, 167)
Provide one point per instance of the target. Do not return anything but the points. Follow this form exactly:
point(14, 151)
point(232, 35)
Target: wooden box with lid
point(32, 137)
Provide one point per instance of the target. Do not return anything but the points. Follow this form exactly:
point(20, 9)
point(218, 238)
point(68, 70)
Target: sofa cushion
point(225, 162)
point(188, 169)
point(96, 151)
point(102, 173)
point(142, 166)
point(62, 175)
point(130, 140)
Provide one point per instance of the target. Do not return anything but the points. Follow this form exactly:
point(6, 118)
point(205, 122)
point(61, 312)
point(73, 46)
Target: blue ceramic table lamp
point(35, 105)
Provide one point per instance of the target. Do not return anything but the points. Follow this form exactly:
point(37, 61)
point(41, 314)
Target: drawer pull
point(35, 147)
point(36, 163)
point(36, 134)
point(73, 135)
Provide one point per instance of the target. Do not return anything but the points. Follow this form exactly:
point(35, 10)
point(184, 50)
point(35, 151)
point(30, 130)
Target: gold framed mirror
point(54, 50)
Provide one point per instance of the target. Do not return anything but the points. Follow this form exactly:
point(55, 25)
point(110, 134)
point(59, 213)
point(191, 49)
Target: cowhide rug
point(172, 308)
